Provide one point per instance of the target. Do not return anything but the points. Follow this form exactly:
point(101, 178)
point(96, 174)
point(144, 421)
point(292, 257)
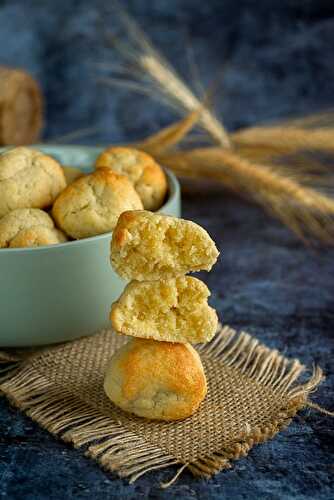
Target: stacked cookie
point(158, 374)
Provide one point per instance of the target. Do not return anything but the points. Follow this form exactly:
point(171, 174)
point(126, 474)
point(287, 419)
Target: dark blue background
point(275, 59)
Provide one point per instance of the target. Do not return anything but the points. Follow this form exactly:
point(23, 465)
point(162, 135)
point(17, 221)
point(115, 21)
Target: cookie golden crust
point(28, 179)
point(147, 177)
point(147, 246)
point(38, 236)
point(156, 380)
point(71, 174)
point(92, 204)
point(174, 310)
point(28, 227)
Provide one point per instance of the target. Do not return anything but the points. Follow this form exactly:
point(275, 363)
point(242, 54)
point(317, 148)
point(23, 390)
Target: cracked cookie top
point(92, 204)
point(28, 179)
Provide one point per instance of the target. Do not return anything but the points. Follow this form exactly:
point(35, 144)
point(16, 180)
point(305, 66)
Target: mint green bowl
point(60, 292)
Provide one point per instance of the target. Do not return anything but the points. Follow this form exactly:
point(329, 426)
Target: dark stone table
point(267, 283)
point(278, 60)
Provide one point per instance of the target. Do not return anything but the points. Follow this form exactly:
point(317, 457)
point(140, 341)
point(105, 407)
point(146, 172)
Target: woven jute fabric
point(253, 393)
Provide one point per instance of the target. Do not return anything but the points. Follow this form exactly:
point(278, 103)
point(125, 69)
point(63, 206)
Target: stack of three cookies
point(158, 374)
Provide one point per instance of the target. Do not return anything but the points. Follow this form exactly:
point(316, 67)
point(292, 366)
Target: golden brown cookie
point(92, 204)
point(28, 179)
point(156, 380)
point(147, 177)
point(25, 227)
point(38, 236)
point(174, 310)
point(147, 246)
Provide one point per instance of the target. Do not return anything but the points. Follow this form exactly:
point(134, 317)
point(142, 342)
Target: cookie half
point(174, 310)
point(148, 246)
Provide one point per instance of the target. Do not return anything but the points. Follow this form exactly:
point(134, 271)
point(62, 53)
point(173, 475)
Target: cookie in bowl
point(139, 379)
point(38, 236)
point(146, 175)
point(28, 227)
point(92, 204)
point(28, 179)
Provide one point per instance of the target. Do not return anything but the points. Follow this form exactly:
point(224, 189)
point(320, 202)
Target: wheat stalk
point(169, 137)
point(165, 82)
point(245, 161)
point(305, 210)
point(286, 140)
point(173, 86)
point(322, 119)
point(287, 193)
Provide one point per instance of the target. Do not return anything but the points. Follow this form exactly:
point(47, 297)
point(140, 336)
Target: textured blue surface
point(278, 61)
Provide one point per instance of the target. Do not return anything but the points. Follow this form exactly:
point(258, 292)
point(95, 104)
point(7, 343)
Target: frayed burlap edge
point(120, 450)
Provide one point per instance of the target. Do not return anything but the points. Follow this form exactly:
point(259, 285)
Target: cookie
point(25, 227)
point(28, 179)
point(147, 246)
point(38, 236)
point(174, 310)
point(92, 204)
point(156, 380)
point(147, 177)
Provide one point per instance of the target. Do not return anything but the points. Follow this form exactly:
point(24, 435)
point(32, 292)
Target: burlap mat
point(252, 394)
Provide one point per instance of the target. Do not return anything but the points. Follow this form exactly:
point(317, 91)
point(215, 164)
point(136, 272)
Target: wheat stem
point(166, 80)
point(286, 140)
point(173, 86)
point(246, 160)
point(303, 209)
